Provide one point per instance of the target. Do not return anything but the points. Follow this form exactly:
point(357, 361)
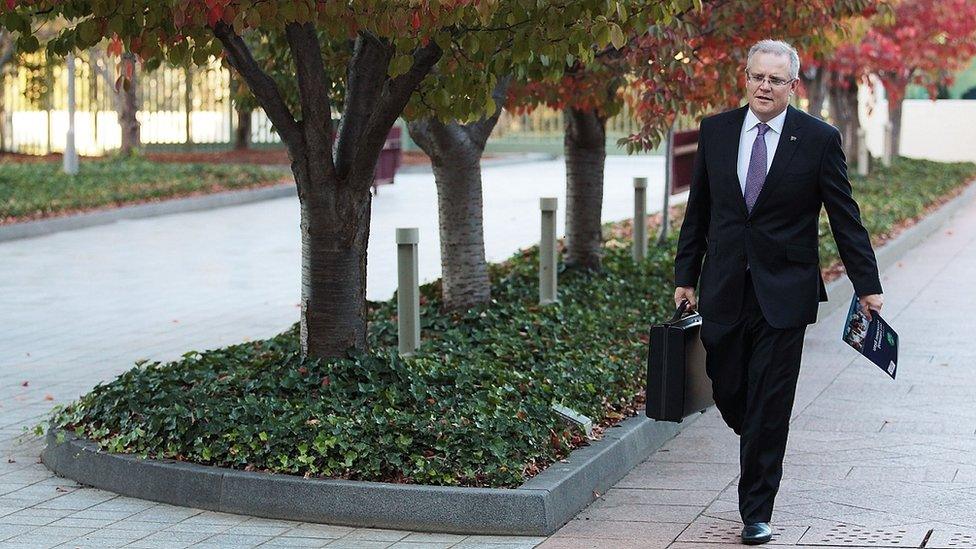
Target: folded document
point(875, 339)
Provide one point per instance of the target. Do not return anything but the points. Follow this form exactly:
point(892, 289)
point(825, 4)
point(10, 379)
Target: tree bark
point(242, 132)
point(455, 152)
point(333, 182)
point(816, 87)
point(585, 146)
point(894, 116)
point(843, 113)
point(128, 107)
point(335, 234)
point(7, 50)
point(456, 161)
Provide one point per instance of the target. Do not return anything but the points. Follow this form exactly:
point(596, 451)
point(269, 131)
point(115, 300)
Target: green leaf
point(28, 43)
point(617, 36)
point(88, 32)
point(400, 64)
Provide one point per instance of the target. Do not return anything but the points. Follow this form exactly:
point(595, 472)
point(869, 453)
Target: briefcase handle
point(679, 312)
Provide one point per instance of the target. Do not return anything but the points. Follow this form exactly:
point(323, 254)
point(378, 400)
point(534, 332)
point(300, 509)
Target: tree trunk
point(585, 146)
point(333, 176)
point(455, 152)
point(242, 133)
point(464, 270)
point(843, 113)
point(334, 242)
point(894, 116)
point(128, 107)
point(7, 50)
point(456, 161)
point(816, 87)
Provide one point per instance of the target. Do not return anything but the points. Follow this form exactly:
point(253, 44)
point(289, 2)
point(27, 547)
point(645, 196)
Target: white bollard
point(70, 159)
point(640, 218)
point(547, 252)
point(862, 153)
point(408, 291)
point(888, 145)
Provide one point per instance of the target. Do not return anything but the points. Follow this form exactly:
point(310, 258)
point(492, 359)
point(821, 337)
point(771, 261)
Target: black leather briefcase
point(677, 385)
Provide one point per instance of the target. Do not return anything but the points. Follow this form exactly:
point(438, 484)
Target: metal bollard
point(70, 157)
point(862, 153)
point(640, 218)
point(408, 291)
point(547, 252)
point(888, 145)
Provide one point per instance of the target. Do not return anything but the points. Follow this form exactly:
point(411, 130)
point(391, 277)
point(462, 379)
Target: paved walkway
point(79, 307)
point(871, 462)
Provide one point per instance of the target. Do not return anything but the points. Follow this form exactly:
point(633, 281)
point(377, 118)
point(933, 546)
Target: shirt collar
point(776, 124)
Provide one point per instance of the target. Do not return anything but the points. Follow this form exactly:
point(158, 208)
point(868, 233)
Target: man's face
point(765, 98)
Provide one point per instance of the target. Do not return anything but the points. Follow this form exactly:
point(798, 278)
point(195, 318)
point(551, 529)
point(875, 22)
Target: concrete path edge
point(41, 227)
point(537, 508)
point(29, 229)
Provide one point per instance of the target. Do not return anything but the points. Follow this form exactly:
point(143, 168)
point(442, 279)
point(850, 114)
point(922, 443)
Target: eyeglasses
point(758, 79)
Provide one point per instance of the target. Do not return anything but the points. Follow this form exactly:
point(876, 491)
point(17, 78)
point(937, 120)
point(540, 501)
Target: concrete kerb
point(42, 227)
point(222, 199)
point(538, 507)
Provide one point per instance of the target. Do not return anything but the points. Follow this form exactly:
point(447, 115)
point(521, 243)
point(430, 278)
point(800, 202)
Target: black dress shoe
point(756, 533)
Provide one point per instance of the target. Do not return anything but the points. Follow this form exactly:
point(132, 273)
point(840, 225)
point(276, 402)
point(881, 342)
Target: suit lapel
point(730, 144)
point(788, 142)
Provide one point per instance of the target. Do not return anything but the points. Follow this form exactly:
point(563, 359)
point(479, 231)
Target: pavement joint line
point(704, 508)
point(945, 266)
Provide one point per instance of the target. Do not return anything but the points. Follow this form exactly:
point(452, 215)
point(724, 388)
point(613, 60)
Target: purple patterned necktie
point(756, 175)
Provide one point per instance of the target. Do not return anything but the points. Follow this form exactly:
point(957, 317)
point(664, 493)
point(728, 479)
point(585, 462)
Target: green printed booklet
point(876, 340)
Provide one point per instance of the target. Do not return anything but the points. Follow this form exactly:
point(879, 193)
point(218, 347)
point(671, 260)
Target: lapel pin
point(792, 138)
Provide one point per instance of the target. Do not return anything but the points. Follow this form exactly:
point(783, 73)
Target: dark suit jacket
point(780, 237)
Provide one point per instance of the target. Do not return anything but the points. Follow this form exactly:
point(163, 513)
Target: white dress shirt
point(747, 138)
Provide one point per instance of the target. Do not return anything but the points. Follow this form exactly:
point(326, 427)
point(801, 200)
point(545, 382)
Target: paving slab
point(908, 446)
point(871, 462)
point(79, 309)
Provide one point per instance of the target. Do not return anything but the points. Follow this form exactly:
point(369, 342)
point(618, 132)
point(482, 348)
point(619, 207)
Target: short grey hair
point(777, 47)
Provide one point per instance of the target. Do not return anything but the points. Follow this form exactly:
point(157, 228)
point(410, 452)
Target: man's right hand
point(685, 292)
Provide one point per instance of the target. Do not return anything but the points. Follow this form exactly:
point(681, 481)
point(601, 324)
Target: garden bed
point(472, 408)
point(33, 189)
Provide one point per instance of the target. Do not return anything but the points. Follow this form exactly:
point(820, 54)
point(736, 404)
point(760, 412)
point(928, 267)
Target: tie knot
point(762, 126)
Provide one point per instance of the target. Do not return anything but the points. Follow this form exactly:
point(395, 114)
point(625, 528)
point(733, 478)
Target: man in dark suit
point(762, 173)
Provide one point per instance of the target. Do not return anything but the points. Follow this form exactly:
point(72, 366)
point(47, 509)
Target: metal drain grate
point(951, 540)
point(857, 536)
point(717, 532)
point(961, 540)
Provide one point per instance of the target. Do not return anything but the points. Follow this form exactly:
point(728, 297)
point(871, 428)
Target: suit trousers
point(754, 369)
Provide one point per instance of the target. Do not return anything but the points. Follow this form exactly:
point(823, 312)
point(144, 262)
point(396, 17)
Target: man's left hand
point(871, 302)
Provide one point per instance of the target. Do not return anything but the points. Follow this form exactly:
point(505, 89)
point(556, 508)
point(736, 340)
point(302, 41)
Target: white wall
point(943, 130)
